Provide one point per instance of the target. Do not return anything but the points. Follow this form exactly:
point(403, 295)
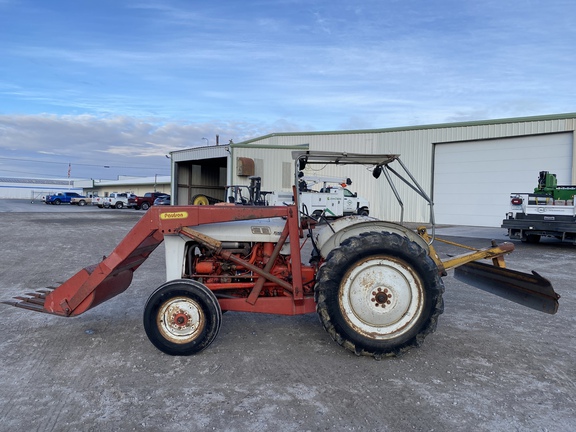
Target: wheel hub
point(180, 319)
point(381, 297)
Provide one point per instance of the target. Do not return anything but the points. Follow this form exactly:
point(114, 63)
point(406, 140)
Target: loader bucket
point(96, 283)
point(530, 290)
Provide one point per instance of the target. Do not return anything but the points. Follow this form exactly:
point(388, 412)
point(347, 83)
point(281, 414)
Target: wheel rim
point(381, 297)
point(200, 200)
point(180, 320)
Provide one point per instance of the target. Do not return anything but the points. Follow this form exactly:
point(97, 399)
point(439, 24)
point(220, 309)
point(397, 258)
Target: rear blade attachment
point(530, 290)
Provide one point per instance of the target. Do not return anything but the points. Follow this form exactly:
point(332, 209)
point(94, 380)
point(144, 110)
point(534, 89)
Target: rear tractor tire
point(182, 317)
point(379, 294)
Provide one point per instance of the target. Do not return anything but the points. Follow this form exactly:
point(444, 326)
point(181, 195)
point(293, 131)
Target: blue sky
point(122, 83)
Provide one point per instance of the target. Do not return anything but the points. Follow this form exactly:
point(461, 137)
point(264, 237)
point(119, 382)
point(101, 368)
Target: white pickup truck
point(325, 196)
point(114, 200)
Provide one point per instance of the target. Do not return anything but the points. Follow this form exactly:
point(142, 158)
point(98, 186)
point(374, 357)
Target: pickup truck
point(115, 200)
point(144, 202)
point(61, 198)
point(82, 201)
point(332, 200)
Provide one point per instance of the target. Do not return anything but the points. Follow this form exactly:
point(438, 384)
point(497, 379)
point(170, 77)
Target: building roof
point(420, 127)
point(39, 181)
point(133, 181)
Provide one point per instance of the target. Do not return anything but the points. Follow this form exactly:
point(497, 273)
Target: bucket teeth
point(35, 300)
point(31, 300)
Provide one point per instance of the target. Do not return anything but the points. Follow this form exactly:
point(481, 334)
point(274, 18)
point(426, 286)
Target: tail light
point(516, 201)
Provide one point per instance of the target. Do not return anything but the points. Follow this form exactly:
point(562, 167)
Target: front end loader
point(376, 286)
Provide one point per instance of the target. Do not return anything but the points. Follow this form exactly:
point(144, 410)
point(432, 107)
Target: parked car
point(162, 200)
point(114, 200)
point(144, 202)
point(98, 201)
point(61, 198)
point(82, 201)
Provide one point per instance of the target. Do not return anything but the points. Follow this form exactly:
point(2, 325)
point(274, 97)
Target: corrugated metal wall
point(207, 170)
point(416, 147)
point(270, 164)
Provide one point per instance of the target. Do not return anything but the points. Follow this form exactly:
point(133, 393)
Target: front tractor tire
point(182, 317)
point(379, 294)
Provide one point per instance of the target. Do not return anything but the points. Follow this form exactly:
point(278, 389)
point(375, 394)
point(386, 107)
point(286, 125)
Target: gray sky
point(120, 83)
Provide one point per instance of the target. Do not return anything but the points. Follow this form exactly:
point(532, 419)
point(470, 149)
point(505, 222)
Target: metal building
point(35, 189)
point(469, 169)
point(135, 185)
point(208, 170)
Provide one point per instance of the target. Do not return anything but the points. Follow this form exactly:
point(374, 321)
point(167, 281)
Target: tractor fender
point(335, 232)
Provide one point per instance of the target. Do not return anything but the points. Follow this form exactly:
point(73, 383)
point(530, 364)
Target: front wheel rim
point(181, 320)
point(381, 298)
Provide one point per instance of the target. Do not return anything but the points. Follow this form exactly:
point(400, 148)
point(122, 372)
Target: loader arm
point(100, 282)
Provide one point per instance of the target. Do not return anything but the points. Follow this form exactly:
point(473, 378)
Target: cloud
point(134, 80)
point(135, 145)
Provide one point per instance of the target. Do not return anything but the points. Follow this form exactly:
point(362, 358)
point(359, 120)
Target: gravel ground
point(492, 365)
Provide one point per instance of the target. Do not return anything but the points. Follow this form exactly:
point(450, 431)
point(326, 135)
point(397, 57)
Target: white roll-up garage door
point(473, 179)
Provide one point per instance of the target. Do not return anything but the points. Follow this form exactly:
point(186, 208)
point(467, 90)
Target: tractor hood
point(254, 230)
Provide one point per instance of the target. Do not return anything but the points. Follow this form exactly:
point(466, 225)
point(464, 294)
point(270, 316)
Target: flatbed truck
point(547, 212)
